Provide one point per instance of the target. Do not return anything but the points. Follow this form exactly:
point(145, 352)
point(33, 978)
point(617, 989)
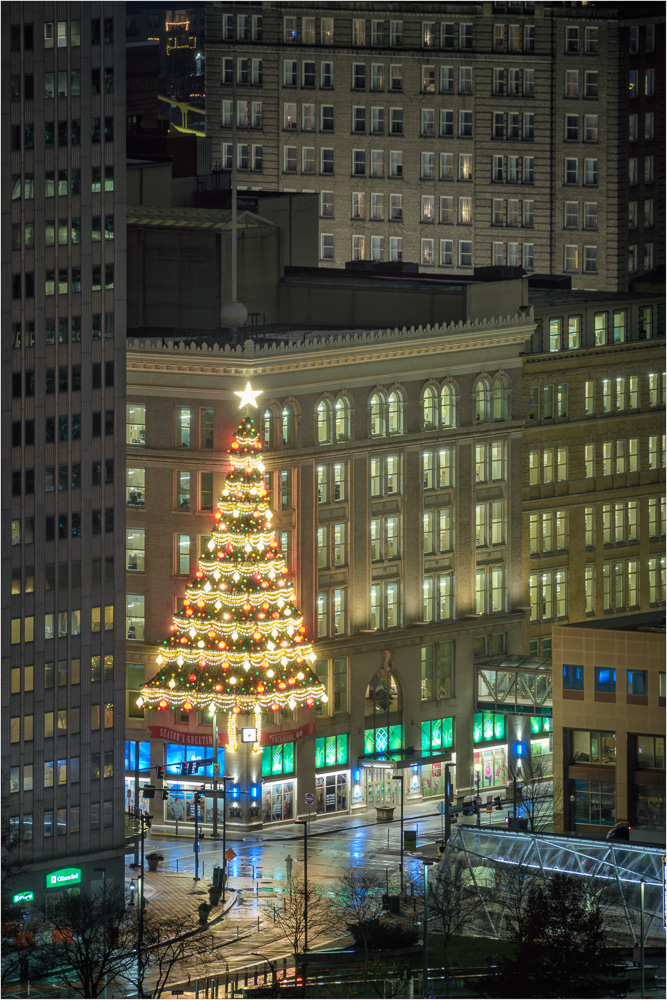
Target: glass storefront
point(490, 765)
point(380, 789)
point(331, 793)
point(432, 779)
point(278, 801)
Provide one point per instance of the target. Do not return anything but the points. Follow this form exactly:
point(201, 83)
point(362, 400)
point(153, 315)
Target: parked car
point(621, 831)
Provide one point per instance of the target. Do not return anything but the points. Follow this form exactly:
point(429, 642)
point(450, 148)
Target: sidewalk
point(170, 895)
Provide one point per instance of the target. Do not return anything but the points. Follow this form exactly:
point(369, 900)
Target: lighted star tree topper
point(239, 644)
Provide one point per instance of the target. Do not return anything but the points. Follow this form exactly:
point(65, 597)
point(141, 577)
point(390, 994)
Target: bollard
point(177, 866)
point(237, 932)
point(257, 921)
point(197, 989)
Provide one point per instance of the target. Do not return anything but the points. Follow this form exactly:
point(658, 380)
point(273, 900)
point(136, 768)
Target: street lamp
point(271, 965)
point(399, 777)
point(425, 934)
point(140, 922)
point(304, 823)
point(225, 778)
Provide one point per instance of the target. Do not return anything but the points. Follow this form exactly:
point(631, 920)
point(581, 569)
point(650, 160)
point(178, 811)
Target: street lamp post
point(271, 965)
point(225, 778)
point(304, 823)
point(140, 921)
point(399, 777)
point(196, 843)
point(425, 935)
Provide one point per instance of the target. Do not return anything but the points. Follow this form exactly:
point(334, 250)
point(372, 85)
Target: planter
point(204, 910)
point(214, 895)
point(385, 813)
point(152, 864)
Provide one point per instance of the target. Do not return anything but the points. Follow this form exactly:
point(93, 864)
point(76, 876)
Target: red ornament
point(192, 678)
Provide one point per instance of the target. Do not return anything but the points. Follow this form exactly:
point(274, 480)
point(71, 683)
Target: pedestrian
point(288, 866)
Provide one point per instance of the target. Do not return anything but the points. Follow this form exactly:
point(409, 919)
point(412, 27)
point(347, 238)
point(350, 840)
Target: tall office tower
point(63, 391)
point(452, 135)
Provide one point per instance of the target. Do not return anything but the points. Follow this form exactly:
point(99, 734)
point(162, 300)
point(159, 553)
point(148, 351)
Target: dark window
point(97, 423)
point(29, 133)
point(108, 519)
point(16, 483)
point(63, 330)
point(27, 36)
point(76, 180)
point(50, 528)
point(109, 325)
point(95, 132)
point(76, 427)
point(108, 129)
point(573, 677)
point(76, 378)
point(95, 31)
point(97, 473)
point(63, 427)
point(108, 470)
point(28, 87)
point(30, 481)
point(108, 422)
point(95, 80)
point(108, 373)
point(63, 479)
point(76, 141)
point(16, 286)
point(50, 430)
point(63, 129)
point(62, 525)
point(76, 525)
point(63, 378)
point(16, 385)
point(76, 475)
point(30, 383)
point(108, 80)
point(29, 432)
point(97, 376)
point(96, 330)
point(97, 522)
point(108, 30)
point(108, 275)
point(16, 434)
point(50, 380)
point(49, 135)
point(15, 38)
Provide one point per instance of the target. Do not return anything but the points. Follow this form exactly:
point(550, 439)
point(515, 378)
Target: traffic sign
point(230, 854)
point(442, 808)
point(195, 846)
point(310, 798)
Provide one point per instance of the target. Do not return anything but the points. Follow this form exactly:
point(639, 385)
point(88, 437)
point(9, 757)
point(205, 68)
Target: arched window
point(378, 421)
point(395, 412)
point(342, 419)
point(430, 408)
point(500, 398)
point(447, 406)
point(287, 425)
point(482, 399)
point(267, 427)
point(324, 422)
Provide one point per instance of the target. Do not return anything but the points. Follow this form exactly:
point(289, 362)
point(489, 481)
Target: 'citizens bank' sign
point(64, 876)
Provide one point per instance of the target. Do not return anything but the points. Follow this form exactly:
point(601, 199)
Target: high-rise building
point(63, 391)
point(455, 135)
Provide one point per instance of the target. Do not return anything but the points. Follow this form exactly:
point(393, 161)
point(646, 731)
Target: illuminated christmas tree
point(239, 644)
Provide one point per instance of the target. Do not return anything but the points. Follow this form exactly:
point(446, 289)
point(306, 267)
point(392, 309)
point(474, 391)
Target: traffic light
point(160, 773)
point(148, 791)
point(193, 767)
point(498, 802)
point(165, 795)
point(184, 769)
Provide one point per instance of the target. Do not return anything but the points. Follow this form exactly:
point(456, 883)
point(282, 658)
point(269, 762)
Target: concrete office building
point(453, 135)
point(63, 392)
point(609, 724)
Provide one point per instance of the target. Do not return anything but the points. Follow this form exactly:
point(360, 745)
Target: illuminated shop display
point(239, 645)
point(437, 734)
point(331, 751)
point(278, 759)
point(383, 739)
point(488, 726)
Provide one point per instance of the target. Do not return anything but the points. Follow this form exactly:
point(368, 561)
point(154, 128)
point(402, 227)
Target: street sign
point(230, 854)
point(442, 808)
point(310, 798)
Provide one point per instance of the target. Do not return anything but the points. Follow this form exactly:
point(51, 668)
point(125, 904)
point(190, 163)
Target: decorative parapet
point(405, 341)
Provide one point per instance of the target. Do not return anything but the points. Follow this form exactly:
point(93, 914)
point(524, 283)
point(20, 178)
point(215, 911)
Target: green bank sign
point(23, 897)
point(64, 876)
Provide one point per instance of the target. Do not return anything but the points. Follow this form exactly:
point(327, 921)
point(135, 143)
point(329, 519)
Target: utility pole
point(196, 843)
point(140, 922)
point(399, 777)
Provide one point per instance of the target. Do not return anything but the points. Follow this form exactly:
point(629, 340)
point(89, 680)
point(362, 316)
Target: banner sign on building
point(63, 877)
point(273, 739)
point(188, 738)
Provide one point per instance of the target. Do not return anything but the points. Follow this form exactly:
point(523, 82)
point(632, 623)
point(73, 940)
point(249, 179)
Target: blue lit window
point(605, 680)
point(144, 755)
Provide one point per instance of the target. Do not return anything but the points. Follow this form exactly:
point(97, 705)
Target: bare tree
point(453, 904)
point(530, 786)
point(94, 941)
point(18, 948)
point(513, 887)
point(290, 914)
point(170, 945)
point(358, 900)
